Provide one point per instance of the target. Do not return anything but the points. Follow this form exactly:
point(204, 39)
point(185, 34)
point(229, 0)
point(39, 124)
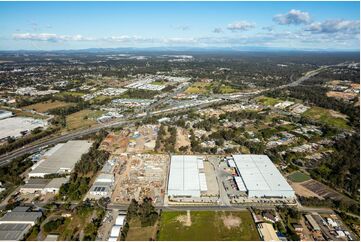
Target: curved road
point(31, 148)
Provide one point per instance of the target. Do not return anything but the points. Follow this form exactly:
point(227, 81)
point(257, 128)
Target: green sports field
point(207, 225)
point(299, 177)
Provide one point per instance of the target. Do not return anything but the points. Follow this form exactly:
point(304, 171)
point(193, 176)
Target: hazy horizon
point(247, 25)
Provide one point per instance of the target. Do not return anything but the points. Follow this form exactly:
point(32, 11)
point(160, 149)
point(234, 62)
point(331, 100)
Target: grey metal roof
point(57, 182)
point(13, 231)
point(64, 157)
point(22, 217)
point(36, 183)
point(20, 209)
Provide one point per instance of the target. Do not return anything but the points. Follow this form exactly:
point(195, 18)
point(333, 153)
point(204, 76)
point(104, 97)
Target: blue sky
point(79, 25)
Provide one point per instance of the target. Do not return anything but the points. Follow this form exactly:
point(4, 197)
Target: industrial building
point(34, 185)
point(267, 232)
point(99, 190)
point(104, 182)
point(186, 177)
point(18, 126)
point(312, 222)
point(114, 233)
point(14, 225)
point(117, 227)
point(61, 158)
point(51, 237)
point(5, 114)
point(54, 185)
point(43, 186)
point(259, 177)
point(20, 217)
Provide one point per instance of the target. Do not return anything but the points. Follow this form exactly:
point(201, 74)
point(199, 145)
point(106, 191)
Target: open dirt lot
point(45, 106)
point(323, 190)
point(341, 95)
point(303, 191)
point(182, 138)
point(141, 140)
point(211, 112)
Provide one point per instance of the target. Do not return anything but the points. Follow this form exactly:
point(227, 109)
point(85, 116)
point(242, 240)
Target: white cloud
point(295, 39)
point(217, 30)
point(49, 37)
point(294, 16)
point(241, 26)
point(127, 39)
point(335, 26)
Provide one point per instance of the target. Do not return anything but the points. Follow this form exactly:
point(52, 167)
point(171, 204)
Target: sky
point(81, 25)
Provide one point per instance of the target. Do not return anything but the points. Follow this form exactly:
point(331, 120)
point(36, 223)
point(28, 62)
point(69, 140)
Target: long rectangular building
point(260, 177)
point(61, 158)
point(186, 178)
point(15, 224)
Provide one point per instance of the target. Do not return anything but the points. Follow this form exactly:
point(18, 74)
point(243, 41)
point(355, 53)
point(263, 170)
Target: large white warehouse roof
point(185, 178)
point(261, 177)
point(63, 159)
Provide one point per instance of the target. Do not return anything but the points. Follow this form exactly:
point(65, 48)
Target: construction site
point(139, 176)
point(131, 140)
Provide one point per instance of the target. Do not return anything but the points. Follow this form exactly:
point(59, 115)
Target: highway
point(220, 99)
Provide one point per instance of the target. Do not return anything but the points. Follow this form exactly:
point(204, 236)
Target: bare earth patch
point(182, 138)
point(302, 191)
point(231, 221)
point(341, 95)
point(185, 219)
point(337, 114)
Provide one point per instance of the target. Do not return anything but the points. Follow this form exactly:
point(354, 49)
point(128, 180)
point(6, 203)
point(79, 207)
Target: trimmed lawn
point(46, 106)
point(207, 225)
point(325, 116)
point(299, 177)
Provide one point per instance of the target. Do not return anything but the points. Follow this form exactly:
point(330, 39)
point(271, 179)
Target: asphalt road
point(31, 148)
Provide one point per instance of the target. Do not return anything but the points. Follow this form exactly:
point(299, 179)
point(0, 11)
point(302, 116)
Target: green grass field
point(207, 225)
point(159, 83)
point(138, 233)
point(299, 177)
point(199, 88)
point(48, 105)
point(225, 89)
point(76, 94)
point(325, 116)
point(83, 118)
point(268, 101)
